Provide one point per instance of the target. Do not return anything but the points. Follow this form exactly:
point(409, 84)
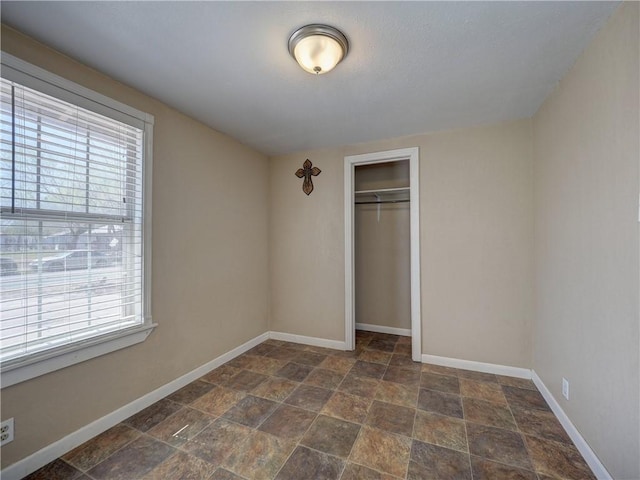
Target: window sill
point(55, 360)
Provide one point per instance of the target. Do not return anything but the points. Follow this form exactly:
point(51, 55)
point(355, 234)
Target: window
point(75, 180)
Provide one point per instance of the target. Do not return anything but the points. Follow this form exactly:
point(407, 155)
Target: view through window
point(71, 224)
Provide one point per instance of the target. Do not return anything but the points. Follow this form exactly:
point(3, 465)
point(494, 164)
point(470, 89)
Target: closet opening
point(382, 256)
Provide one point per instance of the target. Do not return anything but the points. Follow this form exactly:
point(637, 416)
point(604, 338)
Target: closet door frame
point(350, 163)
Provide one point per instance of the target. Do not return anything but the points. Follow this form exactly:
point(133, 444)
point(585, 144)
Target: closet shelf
point(382, 195)
point(383, 191)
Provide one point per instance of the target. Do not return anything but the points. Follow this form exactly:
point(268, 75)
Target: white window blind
point(72, 225)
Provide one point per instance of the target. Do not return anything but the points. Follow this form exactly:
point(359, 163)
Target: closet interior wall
point(382, 247)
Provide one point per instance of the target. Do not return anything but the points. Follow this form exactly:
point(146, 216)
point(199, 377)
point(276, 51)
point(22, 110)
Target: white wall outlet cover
point(565, 388)
point(6, 431)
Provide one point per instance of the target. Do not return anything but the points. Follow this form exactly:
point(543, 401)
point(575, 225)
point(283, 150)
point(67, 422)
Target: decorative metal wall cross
point(307, 171)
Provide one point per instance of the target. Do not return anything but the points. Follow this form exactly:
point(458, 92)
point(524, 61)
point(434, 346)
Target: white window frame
point(19, 71)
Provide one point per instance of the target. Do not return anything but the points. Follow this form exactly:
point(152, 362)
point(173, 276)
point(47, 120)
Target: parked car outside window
point(72, 260)
point(8, 266)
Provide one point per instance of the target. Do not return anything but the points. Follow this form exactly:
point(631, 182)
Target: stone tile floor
point(289, 411)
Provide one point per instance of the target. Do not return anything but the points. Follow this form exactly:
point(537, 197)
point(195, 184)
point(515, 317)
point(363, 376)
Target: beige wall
point(210, 285)
point(382, 255)
point(586, 183)
point(476, 210)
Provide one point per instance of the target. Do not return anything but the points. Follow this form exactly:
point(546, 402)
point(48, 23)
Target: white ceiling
point(413, 67)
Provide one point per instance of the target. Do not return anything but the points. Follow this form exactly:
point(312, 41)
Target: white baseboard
point(315, 341)
point(405, 332)
point(581, 444)
point(49, 453)
point(478, 366)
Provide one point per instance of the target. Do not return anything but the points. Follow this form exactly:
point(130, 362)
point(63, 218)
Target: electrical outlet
point(6, 431)
point(565, 388)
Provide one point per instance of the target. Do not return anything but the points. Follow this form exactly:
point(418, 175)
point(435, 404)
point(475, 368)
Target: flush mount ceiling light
point(318, 48)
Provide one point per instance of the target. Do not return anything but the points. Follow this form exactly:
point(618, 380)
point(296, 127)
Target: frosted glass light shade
point(318, 54)
point(318, 48)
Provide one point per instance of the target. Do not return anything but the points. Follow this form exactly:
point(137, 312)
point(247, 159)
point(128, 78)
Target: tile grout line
point(521, 433)
point(413, 431)
point(107, 457)
point(466, 435)
point(297, 444)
